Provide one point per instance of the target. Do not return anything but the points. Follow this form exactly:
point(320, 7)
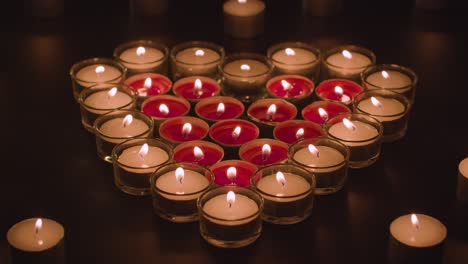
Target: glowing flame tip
point(230, 198)
point(112, 92)
point(300, 133)
point(347, 54)
point(385, 74)
point(231, 173)
point(140, 51)
point(314, 150)
point(127, 120)
point(376, 102)
point(280, 178)
point(349, 124)
point(199, 53)
point(179, 174)
point(143, 150)
point(290, 52)
point(245, 67)
point(100, 69)
point(198, 153)
point(163, 109)
point(236, 132)
point(323, 113)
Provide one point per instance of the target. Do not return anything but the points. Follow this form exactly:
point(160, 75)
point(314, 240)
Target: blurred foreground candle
point(202, 152)
point(243, 18)
point(37, 240)
point(196, 58)
point(293, 88)
point(269, 112)
point(293, 130)
point(143, 56)
point(320, 111)
point(416, 238)
point(163, 107)
point(264, 151)
point(182, 129)
point(218, 108)
point(149, 84)
point(288, 192)
point(135, 160)
point(175, 188)
point(233, 172)
point(230, 216)
point(347, 62)
point(462, 188)
point(339, 90)
point(195, 88)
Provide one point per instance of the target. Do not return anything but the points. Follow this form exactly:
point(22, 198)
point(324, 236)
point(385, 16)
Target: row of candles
point(160, 150)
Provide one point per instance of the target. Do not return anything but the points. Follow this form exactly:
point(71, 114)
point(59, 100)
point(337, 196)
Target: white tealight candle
point(97, 73)
point(181, 183)
point(141, 57)
point(197, 57)
point(283, 184)
point(389, 80)
point(383, 109)
point(347, 64)
point(293, 59)
point(230, 209)
point(351, 131)
point(321, 159)
point(462, 187)
point(142, 157)
point(245, 68)
point(101, 102)
point(117, 128)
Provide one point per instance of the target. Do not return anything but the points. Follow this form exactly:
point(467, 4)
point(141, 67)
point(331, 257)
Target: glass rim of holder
point(277, 99)
point(294, 44)
point(394, 67)
point(106, 117)
point(134, 43)
point(362, 50)
point(384, 93)
point(244, 55)
point(203, 44)
point(339, 118)
point(121, 87)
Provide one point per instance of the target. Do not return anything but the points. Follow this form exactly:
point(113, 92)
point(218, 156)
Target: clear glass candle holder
point(103, 98)
point(297, 58)
point(89, 72)
point(390, 108)
point(117, 126)
point(135, 160)
point(244, 75)
point(175, 188)
point(288, 193)
point(347, 62)
point(230, 216)
point(143, 56)
point(391, 77)
point(361, 133)
point(326, 158)
point(196, 58)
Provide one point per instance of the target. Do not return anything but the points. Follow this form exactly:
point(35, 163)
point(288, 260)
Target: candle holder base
point(363, 163)
point(229, 244)
point(131, 190)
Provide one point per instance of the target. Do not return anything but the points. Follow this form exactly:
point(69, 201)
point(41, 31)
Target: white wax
point(300, 60)
point(463, 168)
point(150, 59)
point(23, 235)
point(327, 157)
point(114, 128)
point(88, 76)
point(249, 8)
point(395, 80)
point(242, 207)
point(345, 66)
point(130, 157)
point(256, 68)
point(391, 109)
point(362, 132)
point(192, 182)
point(189, 56)
point(294, 185)
point(430, 231)
point(101, 102)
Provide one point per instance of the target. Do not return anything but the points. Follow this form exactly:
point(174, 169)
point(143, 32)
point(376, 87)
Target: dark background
point(50, 167)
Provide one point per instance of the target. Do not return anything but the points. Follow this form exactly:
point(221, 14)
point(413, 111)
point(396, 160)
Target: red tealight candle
point(264, 151)
point(184, 128)
point(194, 88)
point(271, 111)
point(320, 111)
point(165, 106)
point(236, 172)
point(219, 108)
point(293, 130)
point(149, 84)
point(340, 90)
point(233, 132)
point(290, 87)
point(202, 152)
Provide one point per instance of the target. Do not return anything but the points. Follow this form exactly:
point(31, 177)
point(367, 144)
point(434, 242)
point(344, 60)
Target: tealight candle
point(361, 133)
point(320, 111)
point(104, 98)
point(196, 58)
point(182, 129)
point(143, 56)
point(243, 18)
point(218, 108)
point(149, 84)
point(233, 172)
point(462, 187)
point(294, 88)
point(264, 151)
point(269, 112)
point(339, 90)
point(294, 130)
point(391, 77)
point(135, 160)
point(198, 151)
point(117, 126)
point(416, 238)
point(89, 72)
point(230, 216)
point(296, 58)
point(175, 188)
point(390, 108)
point(326, 158)
point(195, 88)
point(288, 193)
point(37, 240)
point(347, 62)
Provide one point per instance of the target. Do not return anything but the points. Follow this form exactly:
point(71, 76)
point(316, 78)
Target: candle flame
point(220, 109)
point(323, 114)
point(339, 91)
point(349, 125)
point(385, 74)
point(148, 83)
point(286, 85)
point(198, 84)
point(376, 102)
point(271, 111)
point(186, 129)
point(230, 198)
point(163, 109)
point(347, 54)
point(231, 173)
point(140, 51)
point(179, 174)
point(415, 221)
point(314, 150)
point(245, 67)
point(198, 153)
point(266, 151)
point(300, 133)
point(197, 87)
point(236, 132)
point(127, 120)
point(199, 53)
point(112, 92)
point(280, 178)
point(143, 151)
point(290, 52)
point(100, 69)
point(38, 225)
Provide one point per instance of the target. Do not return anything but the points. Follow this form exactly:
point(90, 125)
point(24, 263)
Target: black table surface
point(50, 167)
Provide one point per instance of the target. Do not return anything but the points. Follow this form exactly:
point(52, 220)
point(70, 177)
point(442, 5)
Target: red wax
point(185, 88)
point(244, 170)
point(286, 131)
point(160, 84)
point(177, 106)
point(284, 110)
point(326, 90)
point(171, 129)
point(253, 152)
point(212, 153)
point(207, 108)
point(311, 112)
point(300, 86)
point(222, 132)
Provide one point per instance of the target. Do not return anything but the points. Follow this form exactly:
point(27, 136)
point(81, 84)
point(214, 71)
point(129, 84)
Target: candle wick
point(230, 205)
point(180, 180)
point(318, 154)
point(265, 156)
point(282, 184)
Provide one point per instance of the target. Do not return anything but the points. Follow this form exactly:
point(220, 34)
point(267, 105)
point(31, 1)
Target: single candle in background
point(202, 152)
point(243, 18)
point(462, 187)
point(416, 238)
point(37, 240)
point(143, 56)
point(347, 62)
